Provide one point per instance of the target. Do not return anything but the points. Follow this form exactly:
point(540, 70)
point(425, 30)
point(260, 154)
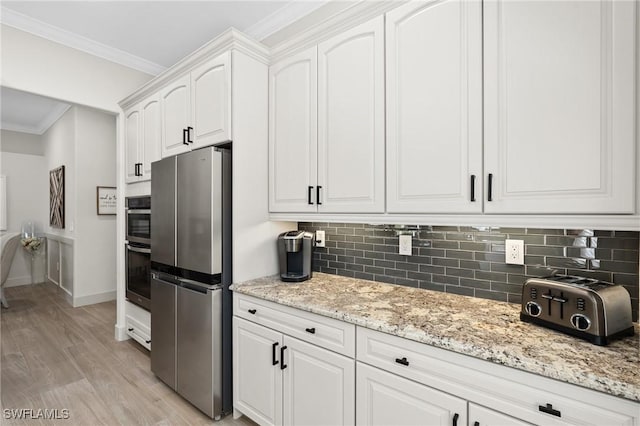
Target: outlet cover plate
point(405, 245)
point(514, 252)
point(320, 239)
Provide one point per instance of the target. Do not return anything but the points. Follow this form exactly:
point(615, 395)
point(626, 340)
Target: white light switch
point(320, 239)
point(405, 245)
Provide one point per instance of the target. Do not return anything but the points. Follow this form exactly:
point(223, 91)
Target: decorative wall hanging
point(106, 196)
point(56, 197)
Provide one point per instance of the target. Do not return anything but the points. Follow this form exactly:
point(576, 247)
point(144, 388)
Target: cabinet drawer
point(326, 332)
point(519, 394)
point(138, 331)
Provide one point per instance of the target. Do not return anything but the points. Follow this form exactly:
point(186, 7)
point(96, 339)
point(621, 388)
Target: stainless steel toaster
point(590, 309)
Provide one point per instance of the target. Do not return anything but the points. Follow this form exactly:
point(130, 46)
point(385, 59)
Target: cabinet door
point(131, 143)
point(211, 102)
point(481, 416)
point(319, 386)
point(351, 120)
point(434, 107)
point(386, 399)
point(150, 144)
point(293, 133)
point(176, 113)
point(559, 106)
point(257, 382)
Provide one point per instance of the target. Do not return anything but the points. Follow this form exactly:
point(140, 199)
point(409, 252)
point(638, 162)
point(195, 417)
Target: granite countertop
point(480, 328)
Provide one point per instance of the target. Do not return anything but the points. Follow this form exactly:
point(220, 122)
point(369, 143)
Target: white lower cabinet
point(482, 416)
point(280, 379)
point(386, 399)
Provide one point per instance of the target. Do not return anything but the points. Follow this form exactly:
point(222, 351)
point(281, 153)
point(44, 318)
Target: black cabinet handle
point(184, 137)
point(402, 361)
point(282, 364)
point(310, 330)
point(549, 410)
point(274, 361)
point(189, 129)
point(130, 329)
point(490, 187)
point(473, 188)
point(252, 311)
point(139, 169)
point(148, 341)
point(476, 423)
point(310, 190)
point(455, 419)
point(135, 169)
point(318, 195)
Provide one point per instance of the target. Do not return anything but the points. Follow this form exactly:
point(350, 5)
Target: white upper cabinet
point(434, 107)
point(293, 133)
point(211, 102)
point(351, 120)
point(176, 113)
point(132, 143)
point(559, 90)
point(150, 134)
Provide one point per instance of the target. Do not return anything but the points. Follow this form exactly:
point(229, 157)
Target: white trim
point(58, 35)
point(54, 115)
point(604, 222)
point(355, 14)
point(283, 17)
point(94, 298)
point(121, 333)
point(60, 238)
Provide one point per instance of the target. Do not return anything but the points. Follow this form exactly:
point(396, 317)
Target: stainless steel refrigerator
point(190, 276)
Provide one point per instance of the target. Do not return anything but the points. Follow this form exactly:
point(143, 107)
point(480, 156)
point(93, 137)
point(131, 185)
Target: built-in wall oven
point(138, 250)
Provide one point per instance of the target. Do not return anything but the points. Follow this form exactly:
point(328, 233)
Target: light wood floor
point(54, 356)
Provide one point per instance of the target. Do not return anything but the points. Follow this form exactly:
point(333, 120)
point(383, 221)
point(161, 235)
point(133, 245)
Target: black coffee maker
point(295, 250)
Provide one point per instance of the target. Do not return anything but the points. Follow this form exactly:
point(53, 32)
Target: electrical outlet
point(320, 239)
point(514, 252)
point(405, 245)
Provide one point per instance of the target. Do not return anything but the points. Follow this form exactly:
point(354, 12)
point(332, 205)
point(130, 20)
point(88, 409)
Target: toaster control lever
point(580, 322)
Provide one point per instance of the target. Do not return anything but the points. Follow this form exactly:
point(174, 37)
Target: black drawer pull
point(310, 191)
point(549, 410)
point(455, 419)
point(130, 329)
point(473, 188)
point(490, 188)
point(282, 364)
point(252, 311)
point(274, 361)
point(402, 361)
point(310, 330)
point(148, 341)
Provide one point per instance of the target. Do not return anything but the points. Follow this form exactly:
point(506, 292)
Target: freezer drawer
point(199, 367)
point(163, 330)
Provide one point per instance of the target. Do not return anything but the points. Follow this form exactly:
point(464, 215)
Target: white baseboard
point(121, 333)
point(94, 298)
point(18, 281)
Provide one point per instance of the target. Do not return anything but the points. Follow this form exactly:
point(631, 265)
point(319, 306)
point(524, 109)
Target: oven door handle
point(138, 249)
point(138, 211)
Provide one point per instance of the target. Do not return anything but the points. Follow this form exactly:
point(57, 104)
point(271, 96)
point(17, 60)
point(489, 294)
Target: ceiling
point(28, 113)
point(149, 36)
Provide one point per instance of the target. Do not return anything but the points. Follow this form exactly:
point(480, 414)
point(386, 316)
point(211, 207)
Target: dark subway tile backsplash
point(470, 260)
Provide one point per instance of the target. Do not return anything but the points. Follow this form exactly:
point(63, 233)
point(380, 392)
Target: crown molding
point(357, 13)
point(33, 26)
point(230, 39)
point(44, 125)
point(283, 17)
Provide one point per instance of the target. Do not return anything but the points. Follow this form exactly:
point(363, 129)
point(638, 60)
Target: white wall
point(95, 246)
point(59, 148)
point(40, 66)
point(21, 143)
point(27, 200)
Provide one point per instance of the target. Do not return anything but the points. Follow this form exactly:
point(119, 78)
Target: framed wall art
point(56, 197)
point(106, 200)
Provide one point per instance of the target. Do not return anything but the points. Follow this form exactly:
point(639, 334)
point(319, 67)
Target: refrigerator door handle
point(138, 249)
point(197, 286)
